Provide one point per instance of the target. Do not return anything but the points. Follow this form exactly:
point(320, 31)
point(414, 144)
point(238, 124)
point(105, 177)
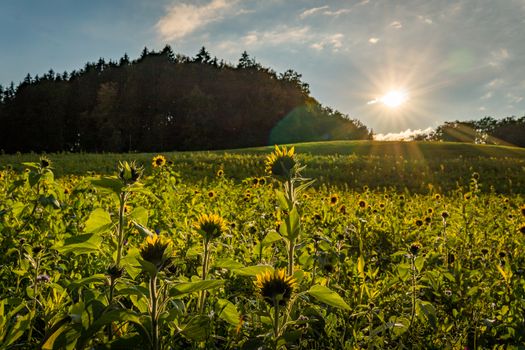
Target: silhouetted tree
point(164, 101)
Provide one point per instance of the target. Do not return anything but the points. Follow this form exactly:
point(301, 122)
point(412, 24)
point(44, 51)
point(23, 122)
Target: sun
point(394, 98)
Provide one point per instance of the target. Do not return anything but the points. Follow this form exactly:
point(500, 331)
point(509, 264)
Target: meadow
point(344, 245)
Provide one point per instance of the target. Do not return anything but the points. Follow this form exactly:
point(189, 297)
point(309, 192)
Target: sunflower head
point(522, 210)
point(334, 199)
point(220, 173)
point(210, 226)
point(45, 163)
point(415, 248)
point(522, 229)
point(281, 163)
point(158, 161)
point(129, 173)
point(155, 250)
point(275, 287)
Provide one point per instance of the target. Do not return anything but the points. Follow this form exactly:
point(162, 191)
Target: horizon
point(398, 68)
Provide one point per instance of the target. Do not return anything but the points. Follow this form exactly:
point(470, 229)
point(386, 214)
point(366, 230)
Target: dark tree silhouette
point(165, 101)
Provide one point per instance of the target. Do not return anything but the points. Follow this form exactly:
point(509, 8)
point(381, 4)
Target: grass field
point(394, 246)
point(401, 165)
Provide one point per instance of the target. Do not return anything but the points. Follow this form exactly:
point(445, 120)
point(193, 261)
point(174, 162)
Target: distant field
point(401, 165)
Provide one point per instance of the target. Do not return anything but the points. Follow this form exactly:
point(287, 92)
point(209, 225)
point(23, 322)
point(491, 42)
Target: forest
point(164, 101)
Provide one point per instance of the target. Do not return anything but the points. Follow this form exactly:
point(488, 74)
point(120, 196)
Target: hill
point(162, 101)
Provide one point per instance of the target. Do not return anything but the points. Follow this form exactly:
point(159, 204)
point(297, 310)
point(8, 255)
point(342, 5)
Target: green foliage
point(378, 268)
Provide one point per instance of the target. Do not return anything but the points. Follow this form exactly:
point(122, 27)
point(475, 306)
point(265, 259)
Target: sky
point(444, 60)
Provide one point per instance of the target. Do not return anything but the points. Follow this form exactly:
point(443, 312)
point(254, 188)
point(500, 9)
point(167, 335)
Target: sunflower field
point(273, 259)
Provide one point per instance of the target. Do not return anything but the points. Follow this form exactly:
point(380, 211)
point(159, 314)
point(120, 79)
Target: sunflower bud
point(129, 173)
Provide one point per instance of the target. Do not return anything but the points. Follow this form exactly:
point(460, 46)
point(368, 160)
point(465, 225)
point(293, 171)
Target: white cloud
point(396, 25)
point(336, 13)
point(425, 19)
point(514, 98)
point(324, 10)
point(280, 35)
point(312, 11)
point(335, 41)
point(406, 135)
point(487, 95)
point(373, 40)
point(183, 19)
point(482, 109)
point(498, 57)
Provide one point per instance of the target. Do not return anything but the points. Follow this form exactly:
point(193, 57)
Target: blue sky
point(454, 59)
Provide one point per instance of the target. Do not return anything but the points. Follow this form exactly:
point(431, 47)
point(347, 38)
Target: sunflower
point(158, 161)
point(362, 204)
point(275, 287)
point(210, 226)
point(211, 194)
point(220, 173)
point(154, 249)
point(45, 162)
point(334, 199)
point(281, 163)
point(342, 209)
point(522, 229)
point(415, 248)
point(522, 209)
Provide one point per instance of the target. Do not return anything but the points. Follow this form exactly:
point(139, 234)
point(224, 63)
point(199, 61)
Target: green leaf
point(328, 296)
point(111, 184)
point(228, 312)
point(99, 221)
point(197, 286)
point(227, 263)
point(130, 262)
point(139, 215)
point(290, 228)
point(282, 201)
point(197, 328)
point(404, 271)
point(15, 332)
point(81, 244)
point(253, 271)
point(95, 279)
point(426, 312)
point(270, 238)
point(361, 266)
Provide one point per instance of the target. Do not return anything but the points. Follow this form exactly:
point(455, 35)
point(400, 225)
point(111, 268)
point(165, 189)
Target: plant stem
point(120, 242)
point(291, 253)
point(204, 274)
point(154, 313)
point(275, 322)
point(413, 270)
point(33, 307)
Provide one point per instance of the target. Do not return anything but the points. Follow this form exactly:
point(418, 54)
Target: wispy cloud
point(312, 11)
point(278, 36)
point(373, 40)
point(396, 25)
point(406, 135)
point(334, 41)
point(498, 57)
point(324, 10)
point(182, 19)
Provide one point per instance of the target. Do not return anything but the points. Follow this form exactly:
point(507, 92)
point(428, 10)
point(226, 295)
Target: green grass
point(401, 165)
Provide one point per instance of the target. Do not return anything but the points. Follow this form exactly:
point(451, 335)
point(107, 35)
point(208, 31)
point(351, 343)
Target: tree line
point(164, 101)
point(508, 131)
